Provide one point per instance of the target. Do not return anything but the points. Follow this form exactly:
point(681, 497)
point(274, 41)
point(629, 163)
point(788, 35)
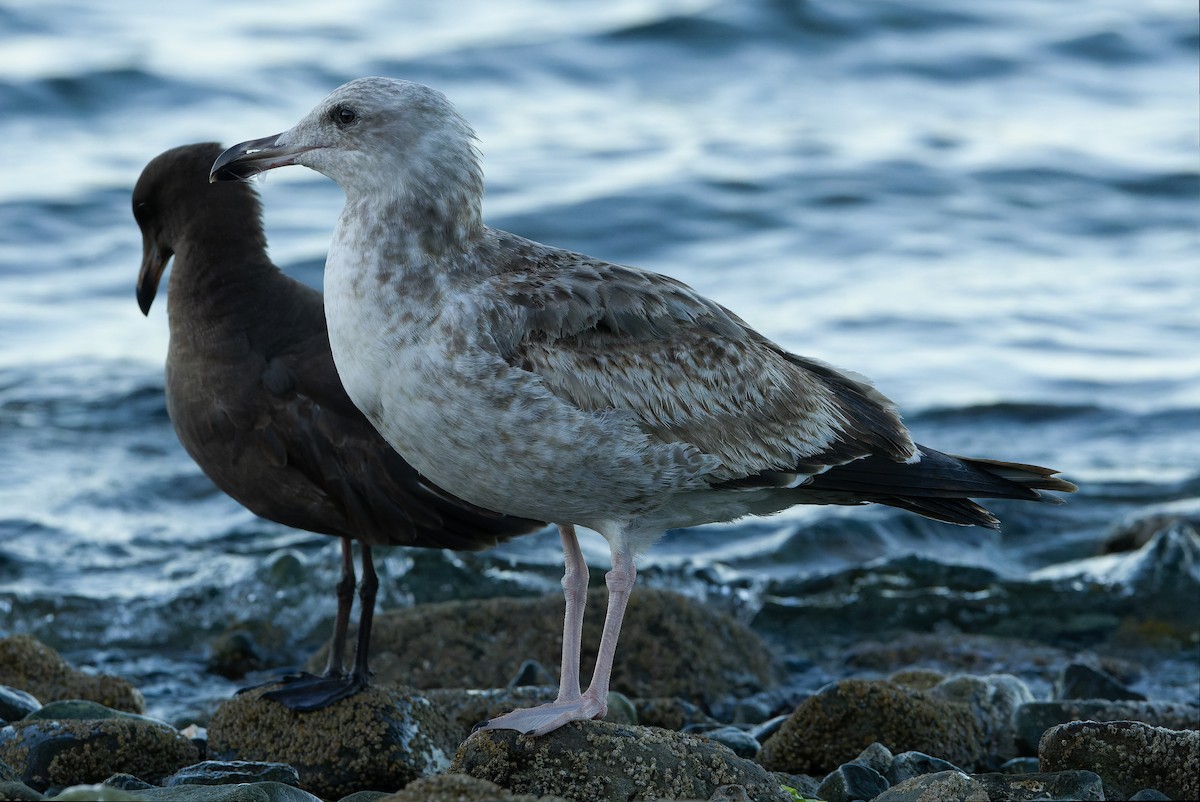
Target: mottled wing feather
point(607, 337)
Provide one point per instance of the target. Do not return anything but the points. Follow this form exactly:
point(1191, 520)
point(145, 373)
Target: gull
point(551, 385)
point(255, 399)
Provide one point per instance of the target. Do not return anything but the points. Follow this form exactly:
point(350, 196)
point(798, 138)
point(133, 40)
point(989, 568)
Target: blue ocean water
point(991, 209)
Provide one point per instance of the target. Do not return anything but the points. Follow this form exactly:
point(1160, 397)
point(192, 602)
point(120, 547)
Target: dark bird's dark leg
point(361, 675)
point(345, 598)
point(305, 692)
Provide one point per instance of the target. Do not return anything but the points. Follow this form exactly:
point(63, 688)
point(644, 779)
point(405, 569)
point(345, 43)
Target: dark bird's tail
point(941, 486)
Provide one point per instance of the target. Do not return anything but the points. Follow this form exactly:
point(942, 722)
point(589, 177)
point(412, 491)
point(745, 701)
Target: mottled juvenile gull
point(255, 399)
point(554, 386)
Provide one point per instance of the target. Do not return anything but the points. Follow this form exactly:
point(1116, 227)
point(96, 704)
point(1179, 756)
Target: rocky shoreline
point(704, 708)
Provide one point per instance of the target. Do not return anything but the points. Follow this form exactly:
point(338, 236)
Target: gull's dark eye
point(343, 115)
point(141, 210)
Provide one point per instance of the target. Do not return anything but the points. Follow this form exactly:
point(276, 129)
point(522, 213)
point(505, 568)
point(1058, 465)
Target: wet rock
point(944, 785)
point(467, 708)
point(1073, 785)
point(994, 701)
point(234, 654)
point(17, 791)
point(839, 721)
point(913, 593)
point(16, 704)
point(81, 710)
point(740, 742)
point(365, 796)
point(670, 646)
point(768, 728)
point(595, 761)
point(1163, 576)
point(69, 751)
point(460, 788)
point(1138, 529)
point(1034, 718)
point(1079, 681)
point(31, 666)
point(1128, 756)
point(226, 772)
point(241, 792)
point(1149, 795)
point(127, 782)
point(1020, 765)
point(377, 739)
point(876, 757)
point(670, 713)
point(916, 679)
point(851, 781)
point(907, 765)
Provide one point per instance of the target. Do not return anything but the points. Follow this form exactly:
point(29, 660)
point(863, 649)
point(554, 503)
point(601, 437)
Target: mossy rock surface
point(460, 788)
point(595, 761)
point(59, 753)
point(380, 739)
point(670, 645)
point(31, 666)
point(834, 725)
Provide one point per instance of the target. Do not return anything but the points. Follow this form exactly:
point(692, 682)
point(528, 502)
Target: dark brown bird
point(255, 399)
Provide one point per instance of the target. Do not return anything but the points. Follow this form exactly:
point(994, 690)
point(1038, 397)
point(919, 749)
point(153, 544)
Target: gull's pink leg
point(575, 586)
point(620, 584)
point(593, 703)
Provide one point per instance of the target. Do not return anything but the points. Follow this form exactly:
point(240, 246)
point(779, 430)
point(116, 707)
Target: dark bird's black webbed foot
point(308, 693)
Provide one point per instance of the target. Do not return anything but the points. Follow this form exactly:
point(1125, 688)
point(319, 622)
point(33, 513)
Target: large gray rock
point(1083, 786)
point(1034, 718)
point(595, 761)
point(994, 700)
point(1128, 756)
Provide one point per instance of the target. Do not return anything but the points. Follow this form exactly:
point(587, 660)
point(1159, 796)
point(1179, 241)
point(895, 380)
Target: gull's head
point(367, 133)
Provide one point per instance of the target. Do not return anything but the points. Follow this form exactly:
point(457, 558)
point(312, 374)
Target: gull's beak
point(154, 262)
point(251, 158)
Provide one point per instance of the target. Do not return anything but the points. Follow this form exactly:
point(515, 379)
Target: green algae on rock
point(30, 665)
point(379, 739)
point(595, 761)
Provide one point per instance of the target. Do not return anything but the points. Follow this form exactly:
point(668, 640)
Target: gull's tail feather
point(941, 486)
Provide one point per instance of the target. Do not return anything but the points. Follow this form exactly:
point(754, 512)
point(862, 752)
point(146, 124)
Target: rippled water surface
point(990, 208)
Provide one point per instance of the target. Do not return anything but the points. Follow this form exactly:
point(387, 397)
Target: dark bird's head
point(178, 209)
